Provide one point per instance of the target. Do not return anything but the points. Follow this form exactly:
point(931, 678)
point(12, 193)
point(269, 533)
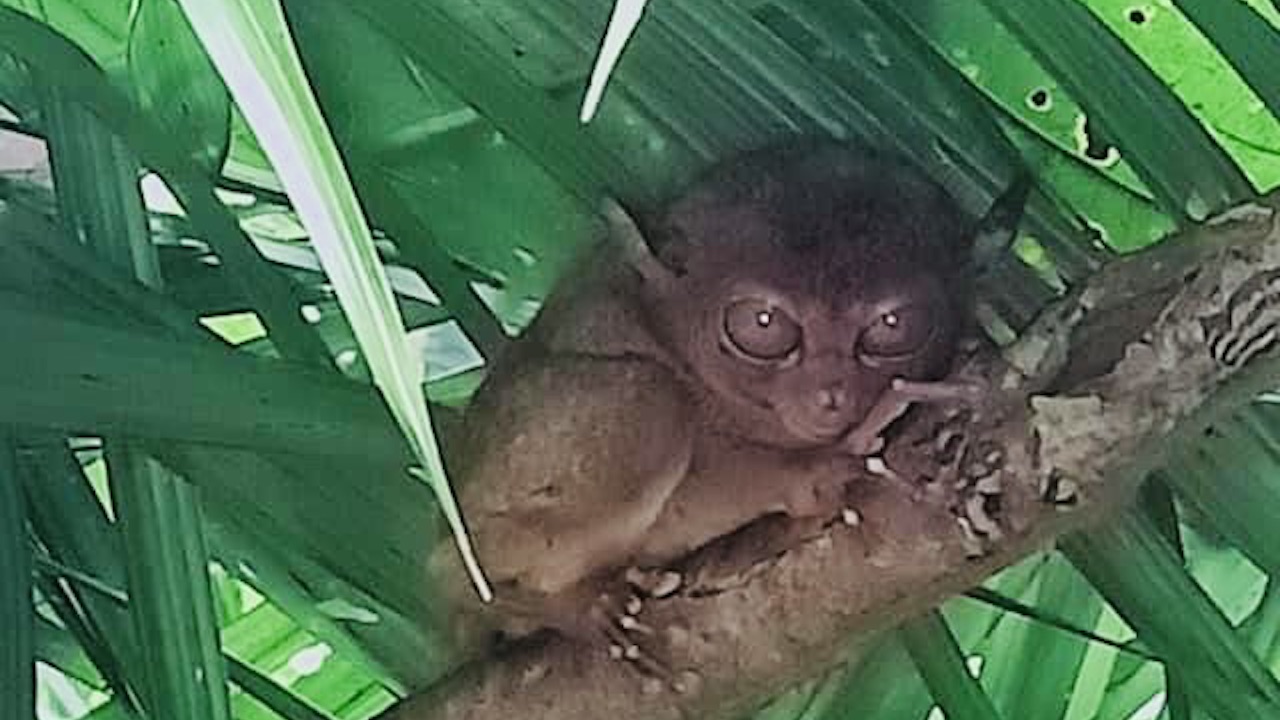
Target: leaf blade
point(250, 45)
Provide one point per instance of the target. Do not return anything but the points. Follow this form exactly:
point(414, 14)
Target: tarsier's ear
point(635, 249)
point(994, 233)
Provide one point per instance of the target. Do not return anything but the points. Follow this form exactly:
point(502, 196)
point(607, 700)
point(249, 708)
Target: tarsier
point(738, 358)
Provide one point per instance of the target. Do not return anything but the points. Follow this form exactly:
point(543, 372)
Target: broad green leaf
point(99, 28)
point(420, 158)
point(1114, 215)
point(251, 48)
point(348, 550)
point(1095, 684)
point(284, 703)
point(326, 592)
point(134, 382)
point(1263, 627)
point(970, 39)
point(295, 661)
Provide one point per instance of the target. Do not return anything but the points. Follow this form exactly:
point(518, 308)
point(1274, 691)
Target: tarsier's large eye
point(897, 332)
point(760, 329)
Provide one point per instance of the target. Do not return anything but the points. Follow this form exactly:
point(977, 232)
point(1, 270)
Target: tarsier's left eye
point(759, 329)
point(897, 332)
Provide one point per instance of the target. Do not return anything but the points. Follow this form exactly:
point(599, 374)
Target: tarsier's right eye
point(898, 333)
point(760, 329)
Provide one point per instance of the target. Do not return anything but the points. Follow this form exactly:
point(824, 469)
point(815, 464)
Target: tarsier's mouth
point(816, 430)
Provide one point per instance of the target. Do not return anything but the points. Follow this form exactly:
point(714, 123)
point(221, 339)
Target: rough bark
point(1149, 351)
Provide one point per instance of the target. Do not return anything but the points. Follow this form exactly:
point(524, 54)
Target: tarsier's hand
point(822, 491)
point(868, 437)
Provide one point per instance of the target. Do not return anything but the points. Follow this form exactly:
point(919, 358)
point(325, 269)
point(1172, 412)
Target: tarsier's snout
point(822, 412)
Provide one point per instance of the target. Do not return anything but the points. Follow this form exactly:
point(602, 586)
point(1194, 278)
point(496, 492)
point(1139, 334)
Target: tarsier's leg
point(867, 438)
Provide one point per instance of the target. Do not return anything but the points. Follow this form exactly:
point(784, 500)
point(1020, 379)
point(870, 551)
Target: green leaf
point(249, 43)
point(1180, 162)
point(1136, 570)
point(56, 647)
point(1102, 688)
point(71, 524)
point(884, 684)
point(1247, 40)
point(1030, 667)
point(175, 84)
point(69, 69)
point(170, 598)
point(285, 703)
point(160, 388)
point(17, 616)
point(942, 665)
point(1230, 477)
point(419, 158)
point(525, 113)
point(1208, 83)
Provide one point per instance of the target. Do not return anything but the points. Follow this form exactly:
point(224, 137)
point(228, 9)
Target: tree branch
point(1149, 352)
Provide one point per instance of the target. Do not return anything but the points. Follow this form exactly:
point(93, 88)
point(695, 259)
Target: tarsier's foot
point(614, 617)
point(868, 437)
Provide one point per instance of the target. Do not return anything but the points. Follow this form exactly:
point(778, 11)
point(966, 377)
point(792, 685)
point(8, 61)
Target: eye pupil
point(890, 319)
point(764, 318)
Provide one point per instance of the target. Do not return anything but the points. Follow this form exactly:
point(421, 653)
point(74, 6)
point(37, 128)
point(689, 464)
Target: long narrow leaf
point(70, 524)
point(250, 45)
point(1190, 175)
point(163, 536)
point(1136, 570)
point(17, 616)
point(285, 703)
point(1245, 38)
point(68, 68)
point(429, 36)
point(941, 663)
point(170, 597)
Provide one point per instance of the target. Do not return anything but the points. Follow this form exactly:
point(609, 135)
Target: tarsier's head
point(798, 283)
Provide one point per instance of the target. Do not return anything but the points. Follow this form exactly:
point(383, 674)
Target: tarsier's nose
point(832, 398)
